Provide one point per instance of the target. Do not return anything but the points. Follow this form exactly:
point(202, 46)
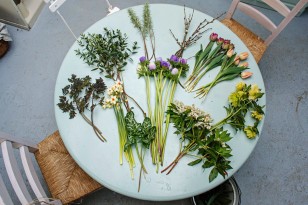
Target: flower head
point(246, 74)
point(244, 64)
point(230, 53)
point(159, 59)
point(152, 66)
point(220, 41)
point(213, 36)
point(231, 46)
point(183, 61)
point(254, 92)
point(174, 71)
point(244, 55)
point(234, 99)
point(165, 64)
point(226, 44)
point(258, 116)
point(174, 58)
point(142, 59)
point(240, 86)
point(250, 132)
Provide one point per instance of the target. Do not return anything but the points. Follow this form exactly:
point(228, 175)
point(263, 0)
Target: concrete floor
point(276, 171)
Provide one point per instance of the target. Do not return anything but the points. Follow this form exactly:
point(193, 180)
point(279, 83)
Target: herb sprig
point(81, 95)
point(107, 52)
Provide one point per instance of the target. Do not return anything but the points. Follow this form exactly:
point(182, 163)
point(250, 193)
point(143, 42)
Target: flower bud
point(174, 58)
point(231, 46)
point(183, 61)
point(152, 66)
point(236, 62)
point(244, 55)
point(246, 74)
point(226, 44)
point(244, 64)
point(142, 59)
point(213, 36)
point(230, 53)
point(165, 64)
point(159, 59)
point(220, 41)
point(174, 71)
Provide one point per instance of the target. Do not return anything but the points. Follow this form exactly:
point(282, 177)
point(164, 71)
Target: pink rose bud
point(226, 44)
point(244, 55)
point(246, 74)
point(230, 53)
point(236, 62)
point(220, 41)
point(244, 64)
point(213, 36)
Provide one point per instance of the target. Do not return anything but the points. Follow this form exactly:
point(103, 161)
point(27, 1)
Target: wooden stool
point(65, 179)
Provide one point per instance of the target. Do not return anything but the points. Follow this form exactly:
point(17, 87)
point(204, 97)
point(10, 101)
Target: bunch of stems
point(206, 60)
point(128, 154)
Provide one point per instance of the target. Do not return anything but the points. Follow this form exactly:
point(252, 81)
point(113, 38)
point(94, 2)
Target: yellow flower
point(250, 132)
point(233, 99)
point(256, 115)
point(240, 85)
point(253, 92)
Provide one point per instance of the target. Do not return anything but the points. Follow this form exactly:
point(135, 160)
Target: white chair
point(8, 143)
point(255, 44)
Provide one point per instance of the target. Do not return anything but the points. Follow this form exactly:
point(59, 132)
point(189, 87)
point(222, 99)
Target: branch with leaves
point(82, 95)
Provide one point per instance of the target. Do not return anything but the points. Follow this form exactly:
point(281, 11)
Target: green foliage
point(106, 52)
point(81, 95)
point(143, 133)
point(146, 27)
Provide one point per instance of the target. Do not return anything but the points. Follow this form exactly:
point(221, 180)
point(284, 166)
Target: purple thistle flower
point(174, 71)
point(183, 61)
point(165, 64)
point(159, 59)
point(174, 58)
point(152, 66)
point(142, 59)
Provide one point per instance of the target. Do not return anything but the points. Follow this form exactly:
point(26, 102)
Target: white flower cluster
point(114, 92)
point(204, 119)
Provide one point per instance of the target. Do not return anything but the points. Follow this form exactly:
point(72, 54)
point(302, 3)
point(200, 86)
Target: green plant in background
point(82, 95)
point(211, 140)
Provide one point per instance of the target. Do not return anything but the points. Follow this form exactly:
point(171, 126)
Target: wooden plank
point(17, 142)
point(257, 15)
point(5, 198)
point(14, 173)
point(30, 173)
point(278, 6)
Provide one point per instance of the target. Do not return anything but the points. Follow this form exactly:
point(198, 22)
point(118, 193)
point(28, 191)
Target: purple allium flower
point(174, 58)
point(142, 59)
point(165, 64)
point(174, 71)
point(183, 61)
point(152, 66)
point(213, 36)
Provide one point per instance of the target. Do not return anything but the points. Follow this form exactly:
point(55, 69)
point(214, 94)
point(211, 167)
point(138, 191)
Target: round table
point(100, 160)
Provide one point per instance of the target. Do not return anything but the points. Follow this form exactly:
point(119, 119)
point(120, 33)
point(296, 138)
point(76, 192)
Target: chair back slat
point(278, 6)
point(257, 15)
point(14, 173)
point(30, 173)
point(17, 142)
point(5, 198)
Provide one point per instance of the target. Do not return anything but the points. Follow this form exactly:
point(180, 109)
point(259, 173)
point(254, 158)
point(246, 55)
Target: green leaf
point(213, 174)
point(197, 161)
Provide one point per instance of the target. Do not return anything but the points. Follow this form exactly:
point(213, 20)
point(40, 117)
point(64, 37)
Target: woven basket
point(254, 43)
point(4, 46)
point(65, 179)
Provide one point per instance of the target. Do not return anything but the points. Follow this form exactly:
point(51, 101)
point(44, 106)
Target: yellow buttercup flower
point(256, 115)
point(240, 86)
point(250, 133)
point(253, 92)
point(233, 99)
